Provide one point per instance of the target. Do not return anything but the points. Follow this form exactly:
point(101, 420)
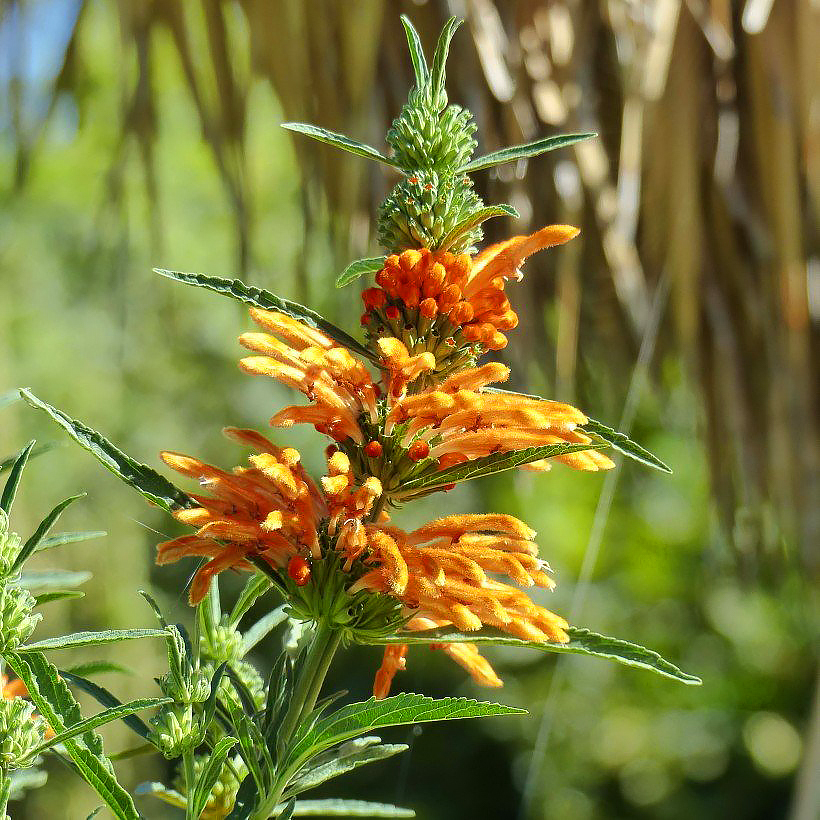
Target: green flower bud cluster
point(426, 208)
point(222, 643)
point(184, 682)
point(17, 621)
point(247, 674)
point(223, 794)
point(10, 545)
point(176, 730)
point(21, 732)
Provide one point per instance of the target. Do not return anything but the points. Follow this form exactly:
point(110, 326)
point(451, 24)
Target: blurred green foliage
point(86, 324)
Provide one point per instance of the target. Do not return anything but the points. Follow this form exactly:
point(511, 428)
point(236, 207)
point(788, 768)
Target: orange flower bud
point(392, 312)
point(451, 459)
point(461, 313)
point(373, 449)
point(410, 296)
point(299, 570)
point(373, 297)
point(471, 333)
point(409, 259)
point(428, 308)
point(497, 342)
point(434, 280)
point(418, 450)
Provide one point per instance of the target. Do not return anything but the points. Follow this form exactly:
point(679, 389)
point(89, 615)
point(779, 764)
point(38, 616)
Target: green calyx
point(176, 730)
point(17, 621)
point(222, 643)
point(426, 209)
point(10, 546)
point(222, 796)
point(21, 732)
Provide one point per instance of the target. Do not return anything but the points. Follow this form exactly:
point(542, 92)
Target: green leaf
point(482, 215)
point(530, 149)
point(97, 668)
point(358, 718)
point(256, 586)
point(484, 466)
point(9, 397)
point(359, 268)
point(333, 807)
point(77, 639)
point(267, 301)
point(56, 704)
point(103, 696)
point(47, 447)
point(416, 52)
point(582, 642)
point(42, 530)
point(149, 483)
point(69, 538)
point(210, 774)
point(95, 812)
point(623, 444)
point(108, 716)
point(285, 812)
point(338, 141)
point(437, 73)
point(262, 628)
point(50, 579)
point(57, 595)
point(348, 756)
point(13, 481)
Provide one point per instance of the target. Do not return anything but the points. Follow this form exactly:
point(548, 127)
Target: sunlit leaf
point(623, 444)
point(57, 595)
point(416, 52)
point(50, 579)
point(437, 73)
point(38, 450)
point(149, 483)
point(105, 636)
point(338, 141)
point(262, 628)
point(267, 301)
point(256, 586)
point(582, 642)
point(13, 481)
point(475, 219)
point(333, 807)
point(530, 149)
point(98, 668)
point(69, 538)
point(359, 268)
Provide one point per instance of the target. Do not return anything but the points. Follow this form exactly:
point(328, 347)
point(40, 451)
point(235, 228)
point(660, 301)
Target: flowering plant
point(409, 411)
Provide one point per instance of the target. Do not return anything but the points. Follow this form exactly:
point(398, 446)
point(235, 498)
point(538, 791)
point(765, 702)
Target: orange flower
point(459, 297)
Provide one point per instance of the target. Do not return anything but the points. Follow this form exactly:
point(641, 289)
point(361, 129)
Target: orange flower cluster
point(465, 295)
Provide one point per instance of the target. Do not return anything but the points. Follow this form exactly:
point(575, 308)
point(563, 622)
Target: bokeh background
point(146, 133)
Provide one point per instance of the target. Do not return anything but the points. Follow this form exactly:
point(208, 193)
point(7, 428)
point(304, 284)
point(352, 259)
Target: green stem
point(5, 791)
point(188, 772)
point(323, 646)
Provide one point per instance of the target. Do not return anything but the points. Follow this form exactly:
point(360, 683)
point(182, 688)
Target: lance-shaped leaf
point(437, 73)
point(484, 466)
point(10, 396)
point(349, 756)
point(256, 586)
point(210, 774)
point(267, 301)
point(42, 530)
point(263, 627)
point(623, 444)
point(56, 704)
point(149, 483)
point(416, 52)
point(57, 595)
point(50, 579)
point(530, 149)
point(359, 268)
point(582, 642)
point(338, 141)
point(7, 463)
point(472, 221)
point(108, 716)
point(87, 668)
point(359, 718)
point(62, 538)
point(77, 639)
point(13, 481)
point(334, 807)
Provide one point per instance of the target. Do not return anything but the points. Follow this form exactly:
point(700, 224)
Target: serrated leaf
point(210, 774)
point(108, 716)
point(16, 473)
point(105, 636)
point(256, 586)
point(146, 481)
point(355, 755)
point(69, 538)
point(359, 268)
point(46, 447)
point(582, 642)
point(42, 530)
point(338, 141)
point(57, 595)
point(484, 466)
point(416, 52)
point(60, 710)
point(482, 215)
point(530, 149)
point(623, 444)
point(104, 697)
point(263, 627)
point(358, 718)
point(50, 578)
point(267, 301)
point(333, 807)
point(437, 73)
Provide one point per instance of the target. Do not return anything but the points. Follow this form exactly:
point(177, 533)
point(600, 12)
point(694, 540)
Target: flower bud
point(17, 621)
point(21, 732)
point(224, 643)
point(9, 546)
point(176, 730)
point(222, 796)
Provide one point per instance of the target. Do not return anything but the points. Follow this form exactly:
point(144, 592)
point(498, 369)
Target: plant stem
point(188, 772)
point(320, 652)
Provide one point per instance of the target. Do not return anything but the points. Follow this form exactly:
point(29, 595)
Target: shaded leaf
point(530, 149)
point(482, 215)
point(334, 807)
point(69, 538)
point(359, 268)
point(42, 530)
point(148, 482)
point(338, 141)
point(623, 444)
point(210, 774)
point(13, 481)
point(256, 586)
point(76, 639)
point(57, 595)
point(267, 301)
point(262, 628)
point(582, 642)
point(98, 668)
point(47, 447)
point(50, 578)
